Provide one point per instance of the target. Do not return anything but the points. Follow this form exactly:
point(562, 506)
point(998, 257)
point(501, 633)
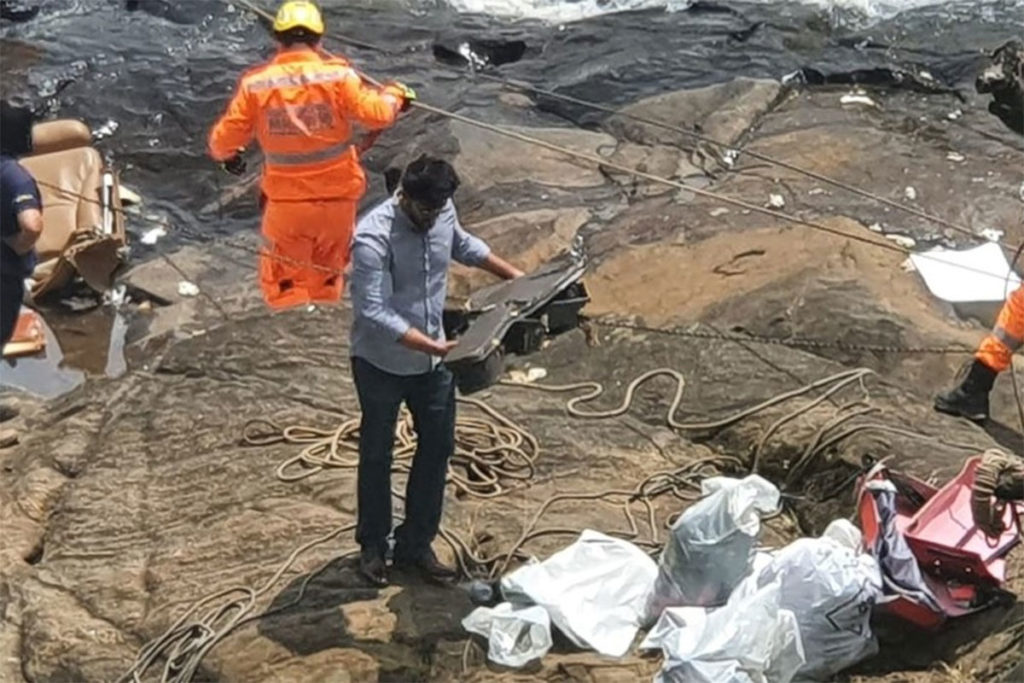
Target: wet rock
point(723, 112)
point(1004, 79)
point(659, 160)
point(489, 160)
point(529, 239)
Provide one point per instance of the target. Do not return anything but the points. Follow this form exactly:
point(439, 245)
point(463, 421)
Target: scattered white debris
point(720, 211)
point(1020, 193)
point(857, 98)
point(528, 376)
point(902, 240)
point(926, 76)
point(105, 130)
point(910, 193)
point(795, 76)
point(977, 180)
point(129, 196)
point(152, 235)
point(186, 288)
point(992, 235)
point(729, 157)
point(817, 190)
point(954, 156)
point(875, 227)
point(311, 308)
point(115, 296)
point(954, 115)
point(776, 201)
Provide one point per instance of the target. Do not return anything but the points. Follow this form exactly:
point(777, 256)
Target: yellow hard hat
point(299, 14)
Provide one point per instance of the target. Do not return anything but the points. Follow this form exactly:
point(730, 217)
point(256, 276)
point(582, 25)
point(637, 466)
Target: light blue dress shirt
point(399, 279)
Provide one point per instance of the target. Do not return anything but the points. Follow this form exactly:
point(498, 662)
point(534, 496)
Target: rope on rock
point(488, 452)
point(799, 343)
point(209, 620)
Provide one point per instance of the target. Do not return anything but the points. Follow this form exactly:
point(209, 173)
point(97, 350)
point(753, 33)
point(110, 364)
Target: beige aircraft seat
point(83, 224)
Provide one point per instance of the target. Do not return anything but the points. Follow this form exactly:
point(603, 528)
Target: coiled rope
point(489, 451)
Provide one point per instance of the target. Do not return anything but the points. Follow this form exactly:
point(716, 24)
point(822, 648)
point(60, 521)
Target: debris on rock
point(910, 193)
point(966, 275)
point(858, 98)
point(992, 235)
point(186, 288)
point(776, 201)
point(151, 236)
point(902, 240)
point(515, 635)
point(596, 591)
point(955, 156)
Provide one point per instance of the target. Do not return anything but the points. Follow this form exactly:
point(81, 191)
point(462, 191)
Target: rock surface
point(130, 499)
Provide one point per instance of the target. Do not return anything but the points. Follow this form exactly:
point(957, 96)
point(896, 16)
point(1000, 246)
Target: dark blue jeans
point(430, 398)
point(12, 290)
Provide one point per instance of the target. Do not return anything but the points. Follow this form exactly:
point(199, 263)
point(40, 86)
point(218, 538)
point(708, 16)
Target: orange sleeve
point(372, 108)
point(236, 126)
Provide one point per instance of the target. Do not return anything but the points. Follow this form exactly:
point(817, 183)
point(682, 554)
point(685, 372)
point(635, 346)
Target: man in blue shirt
point(399, 280)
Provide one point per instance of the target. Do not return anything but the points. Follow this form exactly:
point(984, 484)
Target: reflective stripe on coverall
point(300, 106)
point(996, 351)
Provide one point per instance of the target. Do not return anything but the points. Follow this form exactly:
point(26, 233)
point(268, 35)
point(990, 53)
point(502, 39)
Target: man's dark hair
point(429, 181)
point(15, 129)
point(295, 36)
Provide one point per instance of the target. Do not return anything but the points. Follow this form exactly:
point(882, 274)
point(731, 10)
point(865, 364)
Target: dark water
point(153, 80)
point(163, 75)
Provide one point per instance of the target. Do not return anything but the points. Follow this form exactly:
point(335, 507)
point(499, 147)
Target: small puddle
point(78, 345)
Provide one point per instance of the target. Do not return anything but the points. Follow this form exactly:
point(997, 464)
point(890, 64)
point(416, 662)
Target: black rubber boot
point(970, 398)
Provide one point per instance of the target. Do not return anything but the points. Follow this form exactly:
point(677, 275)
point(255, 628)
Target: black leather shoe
point(426, 564)
point(373, 568)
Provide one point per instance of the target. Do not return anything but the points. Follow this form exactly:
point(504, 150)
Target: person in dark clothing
point(21, 220)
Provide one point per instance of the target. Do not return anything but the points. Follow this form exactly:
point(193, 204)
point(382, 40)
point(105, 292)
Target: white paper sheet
point(954, 275)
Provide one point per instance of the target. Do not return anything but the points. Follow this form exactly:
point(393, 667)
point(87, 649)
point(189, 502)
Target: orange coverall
point(996, 351)
point(299, 106)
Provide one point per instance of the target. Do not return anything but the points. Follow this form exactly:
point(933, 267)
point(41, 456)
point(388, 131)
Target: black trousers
point(12, 291)
point(430, 398)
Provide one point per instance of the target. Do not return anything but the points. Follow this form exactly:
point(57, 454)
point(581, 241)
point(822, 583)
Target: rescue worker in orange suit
point(970, 398)
point(300, 106)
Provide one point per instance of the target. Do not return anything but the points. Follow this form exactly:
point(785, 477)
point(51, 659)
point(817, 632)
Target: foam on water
point(574, 10)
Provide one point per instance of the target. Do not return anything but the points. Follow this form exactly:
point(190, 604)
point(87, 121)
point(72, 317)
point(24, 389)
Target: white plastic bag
point(712, 544)
point(595, 590)
point(831, 587)
point(515, 635)
point(749, 640)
